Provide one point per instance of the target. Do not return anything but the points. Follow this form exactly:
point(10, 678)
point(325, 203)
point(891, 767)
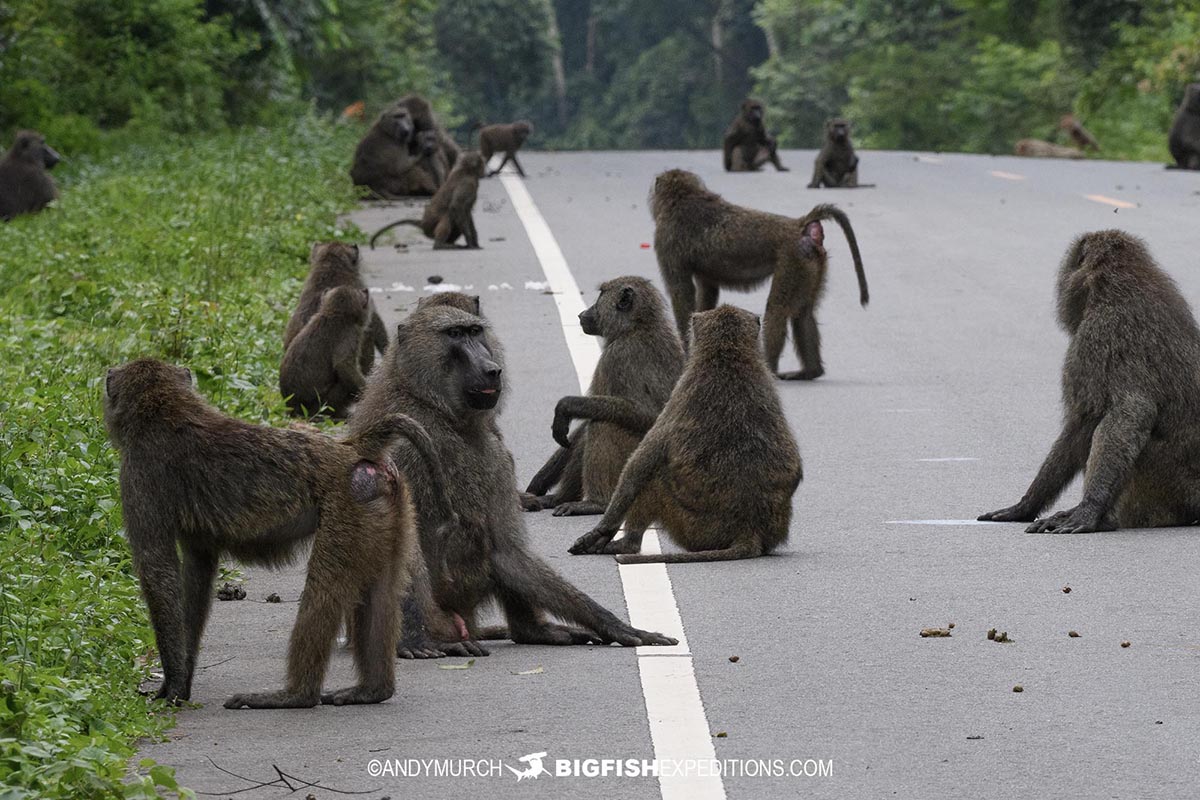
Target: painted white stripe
point(1008, 176)
point(1109, 201)
point(951, 458)
point(678, 726)
point(937, 522)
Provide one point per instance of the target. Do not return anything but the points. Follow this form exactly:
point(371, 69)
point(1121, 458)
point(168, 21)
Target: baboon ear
point(626, 300)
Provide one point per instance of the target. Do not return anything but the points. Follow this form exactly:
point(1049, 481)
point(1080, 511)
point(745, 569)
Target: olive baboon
point(449, 213)
point(505, 139)
point(25, 186)
point(1080, 135)
point(333, 264)
point(719, 466)
point(641, 361)
point(836, 166)
point(445, 368)
point(428, 171)
point(704, 243)
point(747, 145)
point(1131, 396)
point(424, 120)
point(1036, 148)
point(209, 484)
point(1184, 140)
point(321, 366)
point(385, 156)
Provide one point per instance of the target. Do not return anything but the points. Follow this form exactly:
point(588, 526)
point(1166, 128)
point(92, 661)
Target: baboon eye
point(454, 333)
point(476, 330)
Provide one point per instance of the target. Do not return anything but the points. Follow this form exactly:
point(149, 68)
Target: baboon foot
point(628, 636)
point(464, 649)
point(556, 635)
point(1075, 520)
point(280, 699)
point(803, 374)
point(174, 692)
point(418, 649)
point(1014, 513)
point(357, 695)
point(578, 508)
point(622, 546)
point(530, 502)
point(591, 543)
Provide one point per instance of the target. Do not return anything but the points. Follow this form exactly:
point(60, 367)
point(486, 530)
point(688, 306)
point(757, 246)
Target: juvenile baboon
point(836, 166)
point(449, 213)
point(424, 120)
point(720, 465)
point(1036, 148)
point(704, 243)
point(747, 145)
point(25, 186)
point(641, 361)
point(1131, 396)
point(386, 154)
point(505, 139)
point(207, 484)
point(445, 368)
point(334, 264)
point(1080, 135)
point(321, 365)
point(1184, 140)
point(428, 172)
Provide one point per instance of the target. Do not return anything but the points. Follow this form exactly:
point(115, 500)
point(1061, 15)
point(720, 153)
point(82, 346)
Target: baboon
point(424, 120)
point(1184, 140)
point(719, 467)
point(196, 479)
point(836, 166)
point(449, 212)
point(428, 172)
point(445, 368)
point(505, 139)
point(747, 145)
point(1036, 148)
point(1080, 135)
point(468, 303)
point(1130, 392)
point(641, 361)
point(25, 186)
point(333, 264)
point(386, 154)
point(704, 243)
point(321, 365)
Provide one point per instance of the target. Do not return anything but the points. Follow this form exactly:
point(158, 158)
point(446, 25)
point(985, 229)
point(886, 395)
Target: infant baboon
point(720, 465)
point(836, 166)
point(445, 368)
point(449, 213)
point(334, 264)
point(505, 139)
point(641, 361)
point(428, 171)
point(1036, 148)
point(321, 366)
point(1184, 140)
point(385, 156)
point(747, 145)
point(1131, 396)
point(704, 243)
point(25, 187)
point(1080, 135)
point(424, 120)
point(197, 480)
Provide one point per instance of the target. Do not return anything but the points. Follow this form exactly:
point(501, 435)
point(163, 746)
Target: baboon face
point(443, 344)
point(621, 304)
point(473, 164)
point(139, 386)
point(725, 327)
point(839, 130)
point(427, 143)
point(752, 111)
point(346, 301)
point(397, 123)
point(31, 147)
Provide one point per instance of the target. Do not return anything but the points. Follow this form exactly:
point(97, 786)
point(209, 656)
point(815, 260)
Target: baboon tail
point(826, 211)
point(416, 223)
point(374, 441)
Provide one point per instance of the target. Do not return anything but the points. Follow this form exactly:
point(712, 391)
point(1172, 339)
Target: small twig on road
point(219, 663)
point(284, 781)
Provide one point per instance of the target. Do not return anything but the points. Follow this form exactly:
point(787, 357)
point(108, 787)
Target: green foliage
point(188, 253)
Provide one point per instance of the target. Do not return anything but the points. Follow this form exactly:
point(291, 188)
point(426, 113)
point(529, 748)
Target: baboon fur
point(321, 366)
point(25, 185)
point(424, 120)
point(1131, 396)
point(1080, 135)
point(449, 213)
point(387, 154)
point(720, 465)
point(505, 139)
point(747, 145)
point(1036, 148)
point(641, 360)
point(836, 166)
point(1184, 139)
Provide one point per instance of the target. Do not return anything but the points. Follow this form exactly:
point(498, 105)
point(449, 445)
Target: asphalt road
point(938, 403)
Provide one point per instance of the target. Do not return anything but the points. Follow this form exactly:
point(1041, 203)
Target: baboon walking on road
point(445, 368)
point(450, 213)
point(25, 185)
point(1131, 396)
point(720, 465)
point(641, 361)
point(747, 145)
point(505, 139)
point(704, 243)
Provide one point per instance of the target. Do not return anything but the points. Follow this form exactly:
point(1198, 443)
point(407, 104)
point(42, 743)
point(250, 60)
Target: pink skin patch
point(815, 232)
point(461, 626)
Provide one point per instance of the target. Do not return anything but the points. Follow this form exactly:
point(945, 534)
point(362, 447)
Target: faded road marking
point(1109, 201)
point(1008, 176)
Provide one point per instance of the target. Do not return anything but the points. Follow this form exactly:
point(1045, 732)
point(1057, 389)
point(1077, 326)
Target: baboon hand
point(280, 699)
point(464, 649)
point(1020, 512)
point(592, 543)
point(357, 695)
point(633, 637)
point(530, 502)
point(561, 426)
point(1076, 520)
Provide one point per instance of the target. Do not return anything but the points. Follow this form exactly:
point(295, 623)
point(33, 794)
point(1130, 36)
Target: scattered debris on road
point(231, 591)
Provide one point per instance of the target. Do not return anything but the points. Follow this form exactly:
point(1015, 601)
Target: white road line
point(950, 458)
point(1109, 201)
point(1008, 176)
point(936, 522)
point(678, 726)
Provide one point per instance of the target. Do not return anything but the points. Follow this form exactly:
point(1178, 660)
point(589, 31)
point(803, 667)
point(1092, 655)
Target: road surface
point(938, 403)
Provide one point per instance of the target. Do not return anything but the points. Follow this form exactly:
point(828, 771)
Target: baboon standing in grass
point(25, 185)
point(719, 466)
point(1131, 396)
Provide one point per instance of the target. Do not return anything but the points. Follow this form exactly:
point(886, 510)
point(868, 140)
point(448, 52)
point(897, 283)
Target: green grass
point(191, 250)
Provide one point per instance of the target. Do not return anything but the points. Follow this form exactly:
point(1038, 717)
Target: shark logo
point(534, 768)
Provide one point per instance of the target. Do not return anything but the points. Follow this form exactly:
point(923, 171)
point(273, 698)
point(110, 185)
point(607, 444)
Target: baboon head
point(522, 128)
point(419, 108)
point(397, 123)
point(1192, 97)
point(346, 301)
point(838, 130)
point(31, 148)
point(140, 390)
point(725, 328)
point(338, 254)
point(468, 303)
point(450, 358)
point(471, 163)
point(753, 111)
point(1097, 262)
point(427, 143)
point(674, 185)
point(624, 304)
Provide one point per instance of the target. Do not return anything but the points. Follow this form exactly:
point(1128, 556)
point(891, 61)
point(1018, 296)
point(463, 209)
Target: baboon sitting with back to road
point(197, 480)
point(747, 145)
point(386, 155)
point(719, 466)
point(321, 366)
point(1080, 135)
point(1036, 148)
point(505, 139)
point(424, 120)
point(25, 186)
point(1131, 396)
point(449, 213)
point(836, 166)
point(641, 361)
point(445, 368)
point(704, 243)
point(1184, 139)
point(334, 264)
